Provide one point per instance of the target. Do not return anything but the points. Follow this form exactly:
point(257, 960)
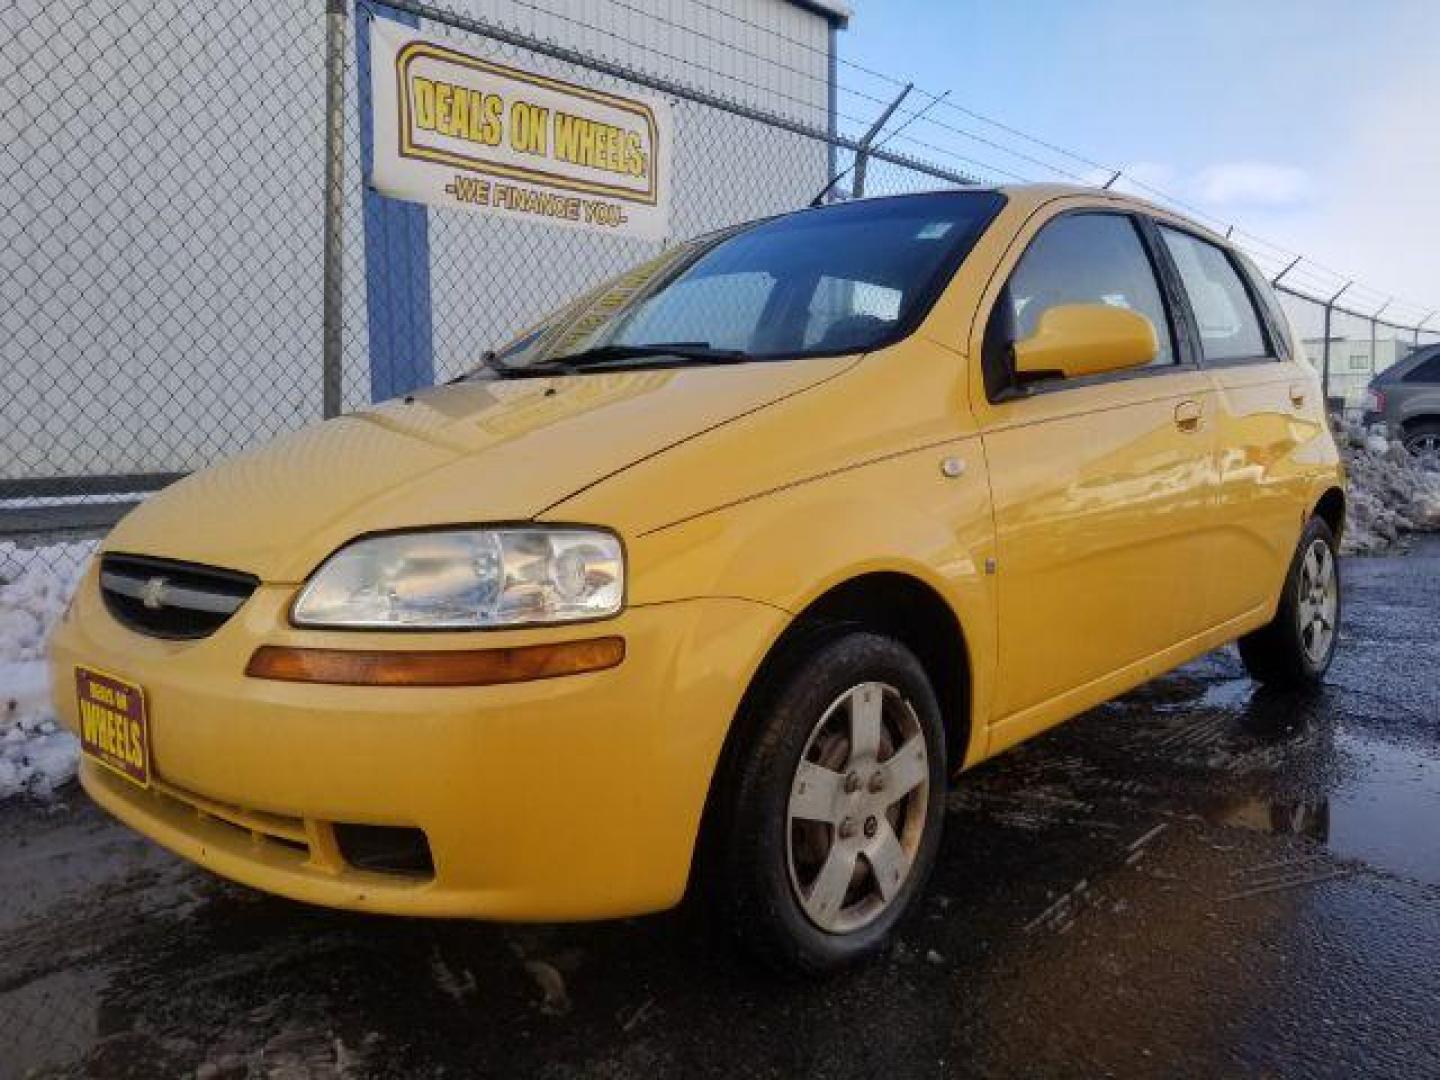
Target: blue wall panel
point(397, 252)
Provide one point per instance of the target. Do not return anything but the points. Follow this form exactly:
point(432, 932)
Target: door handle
point(1297, 394)
point(1188, 415)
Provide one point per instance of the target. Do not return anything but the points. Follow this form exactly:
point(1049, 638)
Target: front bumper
point(571, 798)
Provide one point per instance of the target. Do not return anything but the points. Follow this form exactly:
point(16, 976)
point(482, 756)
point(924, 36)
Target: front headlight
point(457, 579)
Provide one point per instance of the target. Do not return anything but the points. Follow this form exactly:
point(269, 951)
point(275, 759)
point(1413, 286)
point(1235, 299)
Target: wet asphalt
point(1201, 879)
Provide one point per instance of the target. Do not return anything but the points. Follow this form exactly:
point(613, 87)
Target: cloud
point(1253, 183)
point(1375, 216)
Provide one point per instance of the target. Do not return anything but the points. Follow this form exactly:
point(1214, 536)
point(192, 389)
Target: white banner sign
point(456, 130)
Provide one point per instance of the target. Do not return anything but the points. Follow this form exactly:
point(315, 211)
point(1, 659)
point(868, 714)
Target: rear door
point(1267, 408)
point(1102, 486)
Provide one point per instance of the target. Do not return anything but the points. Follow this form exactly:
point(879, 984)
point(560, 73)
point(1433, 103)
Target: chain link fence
point(175, 285)
point(1348, 346)
point(163, 211)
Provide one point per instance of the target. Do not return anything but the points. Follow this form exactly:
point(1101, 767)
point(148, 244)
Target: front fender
point(787, 548)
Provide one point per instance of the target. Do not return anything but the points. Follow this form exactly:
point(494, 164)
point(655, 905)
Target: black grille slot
point(386, 848)
point(170, 599)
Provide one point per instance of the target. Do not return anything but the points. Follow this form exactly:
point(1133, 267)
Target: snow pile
point(35, 755)
point(1390, 494)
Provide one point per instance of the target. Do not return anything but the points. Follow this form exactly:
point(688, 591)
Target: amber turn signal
point(435, 667)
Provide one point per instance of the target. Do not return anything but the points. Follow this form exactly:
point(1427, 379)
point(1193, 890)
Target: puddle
point(1383, 812)
point(1386, 815)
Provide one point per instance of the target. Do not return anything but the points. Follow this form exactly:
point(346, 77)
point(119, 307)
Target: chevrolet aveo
point(719, 576)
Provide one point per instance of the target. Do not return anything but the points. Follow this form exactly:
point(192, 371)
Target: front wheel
point(831, 813)
point(1296, 647)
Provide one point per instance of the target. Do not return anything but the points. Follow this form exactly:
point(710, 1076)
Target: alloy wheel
point(1319, 601)
point(857, 807)
point(1425, 447)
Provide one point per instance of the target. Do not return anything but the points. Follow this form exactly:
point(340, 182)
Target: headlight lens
point(467, 579)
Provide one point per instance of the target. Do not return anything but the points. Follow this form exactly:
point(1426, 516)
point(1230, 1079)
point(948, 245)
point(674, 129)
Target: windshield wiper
point(602, 355)
point(681, 350)
point(490, 360)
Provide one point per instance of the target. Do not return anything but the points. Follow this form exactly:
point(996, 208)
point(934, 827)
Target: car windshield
point(833, 280)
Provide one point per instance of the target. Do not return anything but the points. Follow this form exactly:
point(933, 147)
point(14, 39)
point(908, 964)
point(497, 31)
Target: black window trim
point(1182, 346)
point(1260, 309)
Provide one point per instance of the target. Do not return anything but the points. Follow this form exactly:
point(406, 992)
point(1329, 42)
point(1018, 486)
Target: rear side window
point(1088, 259)
point(1280, 328)
point(1228, 323)
point(1427, 371)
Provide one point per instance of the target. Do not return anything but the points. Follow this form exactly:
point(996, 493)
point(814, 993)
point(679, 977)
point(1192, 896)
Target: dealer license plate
point(114, 729)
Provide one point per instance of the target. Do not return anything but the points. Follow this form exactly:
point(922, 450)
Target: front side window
point(1229, 326)
point(1089, 258)
point(837, 279)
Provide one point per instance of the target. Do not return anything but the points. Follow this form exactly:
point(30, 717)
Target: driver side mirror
point(1074, 340)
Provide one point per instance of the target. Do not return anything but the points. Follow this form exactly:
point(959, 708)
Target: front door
point(1103, 488)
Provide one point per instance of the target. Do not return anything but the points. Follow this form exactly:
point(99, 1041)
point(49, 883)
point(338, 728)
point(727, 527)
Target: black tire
point(1422, 438)
point(750, 876)
point(1279, 653)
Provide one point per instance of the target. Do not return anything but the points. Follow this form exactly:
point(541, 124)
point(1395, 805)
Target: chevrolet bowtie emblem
point(152, 593)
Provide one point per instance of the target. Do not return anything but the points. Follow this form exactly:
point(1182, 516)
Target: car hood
point(482, 451)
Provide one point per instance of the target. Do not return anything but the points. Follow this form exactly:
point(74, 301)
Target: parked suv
point(722, 574)
point(1404, 400)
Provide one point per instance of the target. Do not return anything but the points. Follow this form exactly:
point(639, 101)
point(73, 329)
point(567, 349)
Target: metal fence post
point(1275, 281)
point(334, 206)
point(1325, 359)
point(1325, 366)
point(1374, 332)
point(862, 155)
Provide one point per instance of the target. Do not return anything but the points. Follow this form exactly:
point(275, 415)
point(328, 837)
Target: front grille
point(170, 599)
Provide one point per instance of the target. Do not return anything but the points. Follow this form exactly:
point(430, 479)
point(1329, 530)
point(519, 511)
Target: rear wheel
point(1296, 647)
point(831, 812)
point(1423, 441)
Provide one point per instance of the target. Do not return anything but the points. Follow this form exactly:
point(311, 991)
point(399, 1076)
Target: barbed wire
point(1271, 254)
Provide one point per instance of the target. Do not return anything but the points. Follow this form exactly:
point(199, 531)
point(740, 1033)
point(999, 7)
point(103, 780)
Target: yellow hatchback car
point(721, 574)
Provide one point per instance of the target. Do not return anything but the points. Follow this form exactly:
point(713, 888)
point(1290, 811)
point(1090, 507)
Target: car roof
point(1397, 371)
point(1029, 197)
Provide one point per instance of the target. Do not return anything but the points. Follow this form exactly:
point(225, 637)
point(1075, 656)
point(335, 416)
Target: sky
point(1313, 124)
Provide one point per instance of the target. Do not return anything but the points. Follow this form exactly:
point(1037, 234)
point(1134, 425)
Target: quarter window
point(1088, 259)
point(1229, 326)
